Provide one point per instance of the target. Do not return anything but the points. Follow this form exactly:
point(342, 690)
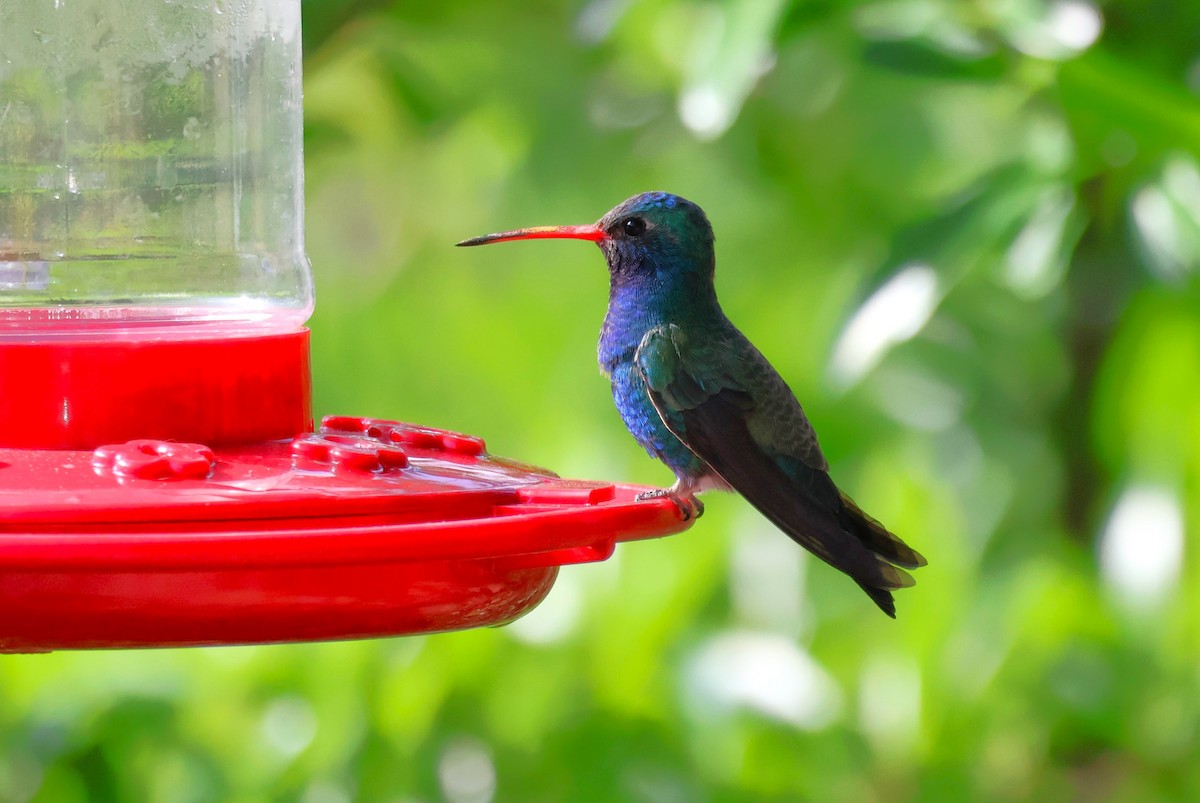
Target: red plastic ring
point(76, 394)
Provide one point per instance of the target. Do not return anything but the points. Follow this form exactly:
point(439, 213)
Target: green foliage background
point(1036, 434)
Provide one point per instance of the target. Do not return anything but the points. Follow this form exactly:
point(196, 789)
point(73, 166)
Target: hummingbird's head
point(657, 233)
point(652, 235)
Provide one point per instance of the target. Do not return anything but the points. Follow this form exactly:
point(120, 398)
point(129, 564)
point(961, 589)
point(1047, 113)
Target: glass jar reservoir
point(151, 168)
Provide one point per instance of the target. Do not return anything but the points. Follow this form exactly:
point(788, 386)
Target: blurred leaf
point(919, 58)
point(1104, 95)
point(322, 19)
point(733, 46)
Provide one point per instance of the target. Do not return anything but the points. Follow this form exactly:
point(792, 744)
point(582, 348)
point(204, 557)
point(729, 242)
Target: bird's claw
point(690, 507)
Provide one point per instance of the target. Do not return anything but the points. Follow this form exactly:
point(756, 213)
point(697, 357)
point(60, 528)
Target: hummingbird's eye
point(634, 227)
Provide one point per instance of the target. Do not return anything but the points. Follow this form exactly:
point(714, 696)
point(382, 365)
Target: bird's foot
point(690, 507)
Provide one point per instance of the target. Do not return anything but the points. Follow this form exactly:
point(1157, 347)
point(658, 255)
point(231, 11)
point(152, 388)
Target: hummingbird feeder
point(161, 481)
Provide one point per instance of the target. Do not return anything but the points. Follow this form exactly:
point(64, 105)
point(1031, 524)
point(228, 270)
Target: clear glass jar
point(151, 168)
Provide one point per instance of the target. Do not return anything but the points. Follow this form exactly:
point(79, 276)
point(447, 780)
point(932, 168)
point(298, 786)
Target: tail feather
point(875, 537)
point(894, 555)
point(798, 497)
point(881, 597)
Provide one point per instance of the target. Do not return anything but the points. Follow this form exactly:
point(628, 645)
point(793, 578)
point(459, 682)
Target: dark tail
point(891, 551)
point(797, 497)
point(876, 537)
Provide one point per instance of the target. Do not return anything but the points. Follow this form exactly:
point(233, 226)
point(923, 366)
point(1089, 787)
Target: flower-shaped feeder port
point(364, 528)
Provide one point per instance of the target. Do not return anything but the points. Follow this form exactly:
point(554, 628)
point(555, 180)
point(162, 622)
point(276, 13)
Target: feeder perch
point(161, 482)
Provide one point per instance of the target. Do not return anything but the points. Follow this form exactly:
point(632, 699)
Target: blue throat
point(635, 306)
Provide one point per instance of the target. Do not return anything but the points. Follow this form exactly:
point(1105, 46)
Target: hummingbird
point(697, 394)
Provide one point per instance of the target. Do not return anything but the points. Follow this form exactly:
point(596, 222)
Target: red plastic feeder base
point(364, 528)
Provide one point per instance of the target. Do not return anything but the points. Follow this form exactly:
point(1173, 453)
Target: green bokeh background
point(965, 232)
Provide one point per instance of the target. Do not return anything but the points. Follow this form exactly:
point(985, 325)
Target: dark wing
point(718, 412)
